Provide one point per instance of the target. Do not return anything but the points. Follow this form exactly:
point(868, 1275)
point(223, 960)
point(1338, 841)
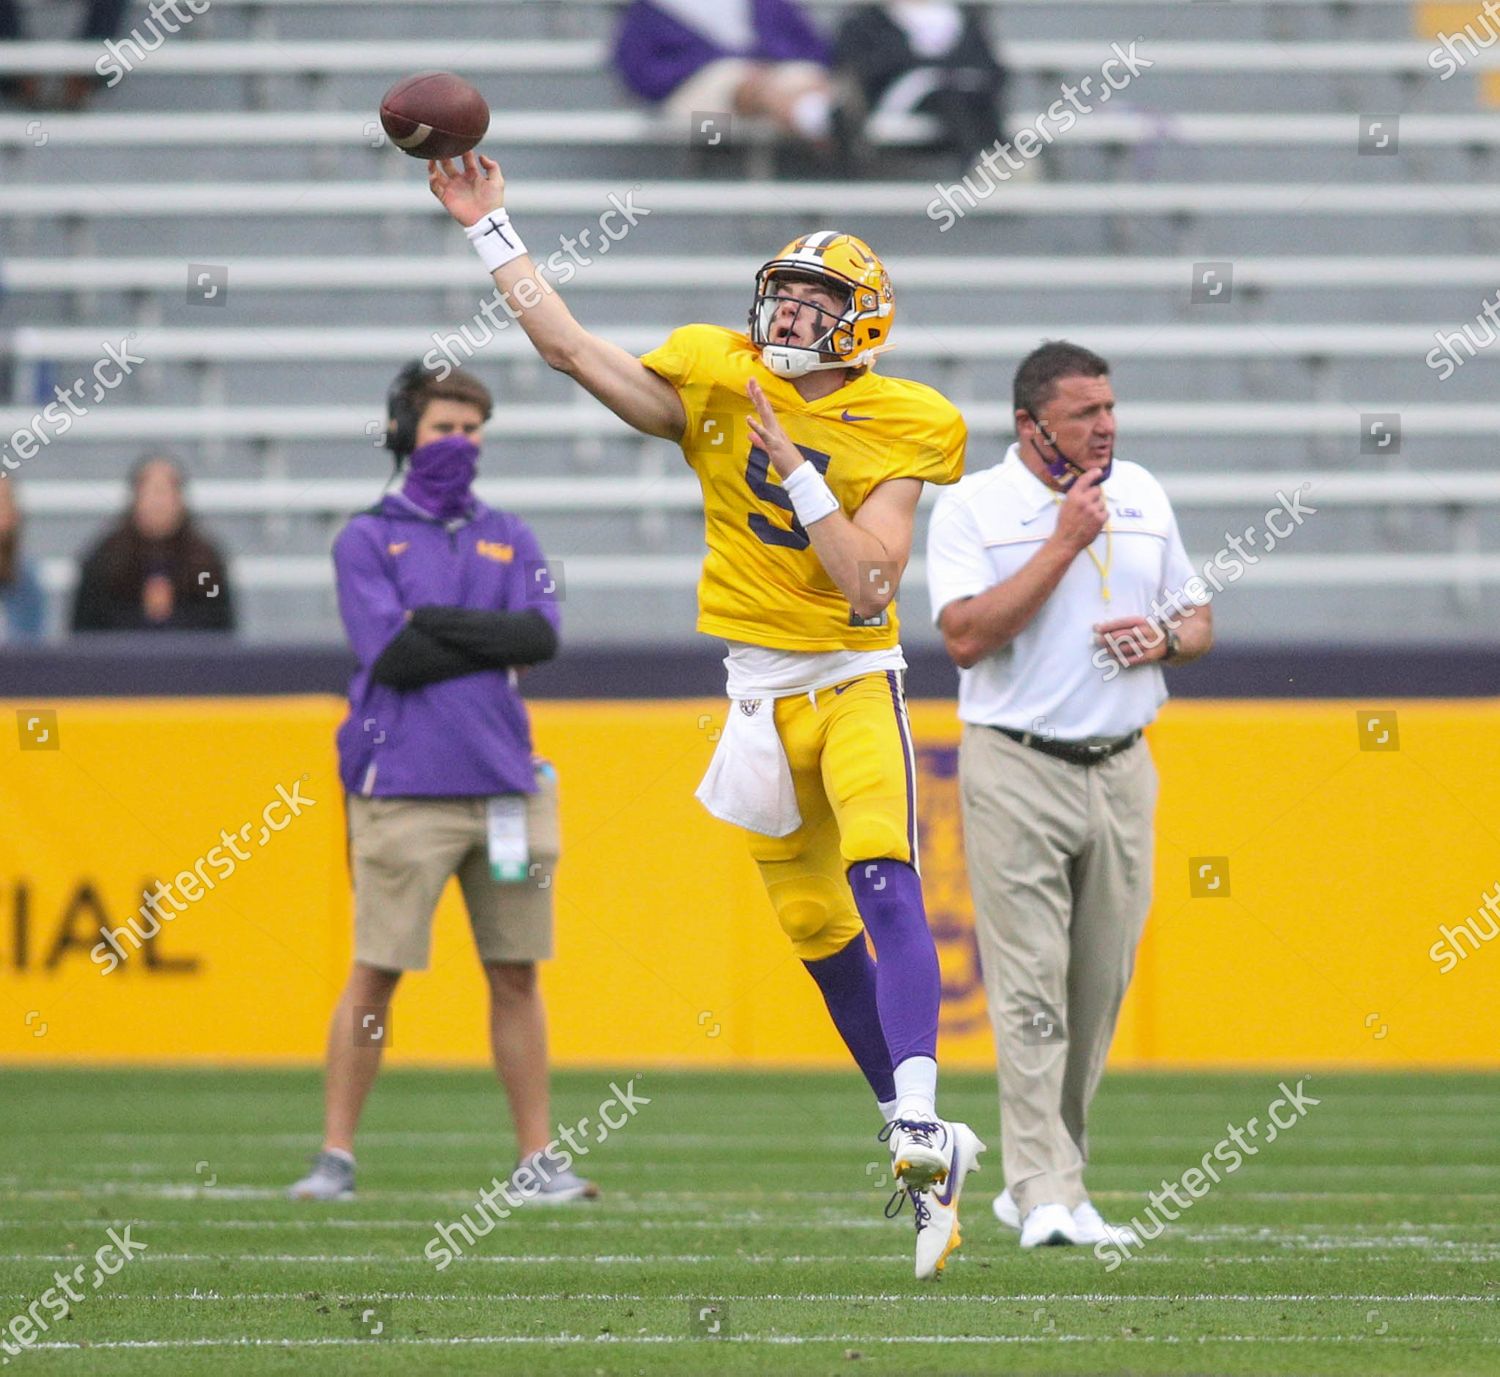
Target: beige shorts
point(713, 88)
point(402, 852)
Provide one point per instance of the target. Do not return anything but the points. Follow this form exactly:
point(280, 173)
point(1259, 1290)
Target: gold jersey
point(762, 582)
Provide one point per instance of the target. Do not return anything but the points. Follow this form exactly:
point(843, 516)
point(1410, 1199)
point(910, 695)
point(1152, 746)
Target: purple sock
point(847, 980)
point(908, 985)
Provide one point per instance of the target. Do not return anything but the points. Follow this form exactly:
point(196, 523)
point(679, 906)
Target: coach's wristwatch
point(1174, 644)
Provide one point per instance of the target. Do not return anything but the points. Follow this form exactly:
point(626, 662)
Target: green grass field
point(1364, 1240)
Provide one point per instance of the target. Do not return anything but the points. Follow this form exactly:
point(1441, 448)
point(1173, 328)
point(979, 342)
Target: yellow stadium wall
point(1342, 864)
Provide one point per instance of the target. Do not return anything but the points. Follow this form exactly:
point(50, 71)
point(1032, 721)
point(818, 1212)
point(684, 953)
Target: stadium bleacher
point(247, 144)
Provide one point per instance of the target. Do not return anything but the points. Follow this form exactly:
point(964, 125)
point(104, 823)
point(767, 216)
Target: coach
point(443, 599)
point(1061, 587)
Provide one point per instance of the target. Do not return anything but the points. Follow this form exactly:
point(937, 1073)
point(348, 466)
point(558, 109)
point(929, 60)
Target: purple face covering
point(1063, 470)
point(440, 475)
point(1066, 472)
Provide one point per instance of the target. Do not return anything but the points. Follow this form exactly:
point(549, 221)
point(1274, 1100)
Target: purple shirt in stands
point(461, 737)
point(655, 53)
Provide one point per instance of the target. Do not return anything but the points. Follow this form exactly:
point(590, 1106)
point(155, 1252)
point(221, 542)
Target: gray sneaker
point(552, 1183)
point(331, 1178)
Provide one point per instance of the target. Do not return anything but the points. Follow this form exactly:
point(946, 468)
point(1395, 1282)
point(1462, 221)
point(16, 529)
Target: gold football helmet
point(852, 338)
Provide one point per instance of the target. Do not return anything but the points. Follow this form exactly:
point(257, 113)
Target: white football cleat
point(1048, 1226)
point(1006, 1211)
point(940, 1236)
point(921, 1151)
point(936, 1210)
point(1089, 1227)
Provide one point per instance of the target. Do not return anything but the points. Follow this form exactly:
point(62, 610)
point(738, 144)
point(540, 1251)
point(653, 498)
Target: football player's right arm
point(624, 384)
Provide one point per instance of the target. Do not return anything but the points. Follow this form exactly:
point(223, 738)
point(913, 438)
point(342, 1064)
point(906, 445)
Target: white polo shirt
point(1049, 679)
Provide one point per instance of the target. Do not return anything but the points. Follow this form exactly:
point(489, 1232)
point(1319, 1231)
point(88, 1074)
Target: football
point(434, 115)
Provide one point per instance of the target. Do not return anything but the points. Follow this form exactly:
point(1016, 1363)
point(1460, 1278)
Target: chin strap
point(787, 361)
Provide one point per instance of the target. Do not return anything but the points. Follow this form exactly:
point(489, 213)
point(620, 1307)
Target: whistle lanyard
point(1103, 566)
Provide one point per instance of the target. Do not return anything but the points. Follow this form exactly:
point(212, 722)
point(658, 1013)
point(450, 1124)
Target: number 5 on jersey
point(758, 476)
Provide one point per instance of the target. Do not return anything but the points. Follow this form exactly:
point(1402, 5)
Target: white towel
point(749, 782)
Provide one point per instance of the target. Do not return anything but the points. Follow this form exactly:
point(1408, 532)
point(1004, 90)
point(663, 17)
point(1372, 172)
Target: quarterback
point(811, 465)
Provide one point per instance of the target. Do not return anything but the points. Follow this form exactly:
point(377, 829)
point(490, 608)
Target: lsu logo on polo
point(492, 549)
point(397, 547)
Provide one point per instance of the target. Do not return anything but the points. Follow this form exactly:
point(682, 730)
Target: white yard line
point(168, 1190)
point(1357, 1236)
point(732, 1138)
point(786, 1340)
point(1281, 1197)
point(407, 1260)
point(930, 1298)
point(600, 1216)
point(592, 1223)
point(1080, 1256)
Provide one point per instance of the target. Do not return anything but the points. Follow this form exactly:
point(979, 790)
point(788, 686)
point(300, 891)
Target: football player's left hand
point(770, 436)
point(1132, 640)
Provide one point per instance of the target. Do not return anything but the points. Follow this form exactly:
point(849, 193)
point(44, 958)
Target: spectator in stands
point(759, 58)
point(445, 600)
point(22, 606)
point(927, 57)
point(154, 570)
point(101, 20)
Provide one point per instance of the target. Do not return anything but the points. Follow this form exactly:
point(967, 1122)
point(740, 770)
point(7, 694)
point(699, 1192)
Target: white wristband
point(495, 240)
point(812, 498)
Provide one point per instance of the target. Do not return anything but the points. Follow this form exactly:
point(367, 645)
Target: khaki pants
point(1059, 860)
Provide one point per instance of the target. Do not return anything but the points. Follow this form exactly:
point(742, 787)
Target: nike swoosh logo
point(838, 689)
point(951, 1184)
point(847, 417)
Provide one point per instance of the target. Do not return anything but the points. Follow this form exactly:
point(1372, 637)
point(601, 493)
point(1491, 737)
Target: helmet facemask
point(832, 340)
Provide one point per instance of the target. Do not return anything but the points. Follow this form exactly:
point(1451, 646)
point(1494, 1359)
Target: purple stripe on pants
point(911, 769)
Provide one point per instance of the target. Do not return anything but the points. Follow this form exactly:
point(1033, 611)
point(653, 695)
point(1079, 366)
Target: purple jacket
point(460, 737)
point(655, 53)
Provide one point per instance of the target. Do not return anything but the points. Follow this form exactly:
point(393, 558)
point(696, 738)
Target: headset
point(402, 412)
